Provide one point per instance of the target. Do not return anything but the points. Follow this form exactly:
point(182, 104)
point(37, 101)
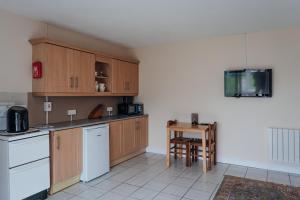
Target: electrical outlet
point(109, 109)
point(71, 112)
point(47, 106)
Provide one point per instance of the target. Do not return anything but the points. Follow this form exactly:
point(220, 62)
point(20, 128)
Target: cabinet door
point(66, 154)
point(115, 140)
point(56, 69)
point(85, 73)
point(129, 141)
point(141, 132)
point(125, 77)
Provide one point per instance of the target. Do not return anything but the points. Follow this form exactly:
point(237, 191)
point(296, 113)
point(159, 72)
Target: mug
point(102, 87)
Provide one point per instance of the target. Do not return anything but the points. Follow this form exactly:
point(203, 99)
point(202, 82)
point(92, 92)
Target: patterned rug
point(235, 188)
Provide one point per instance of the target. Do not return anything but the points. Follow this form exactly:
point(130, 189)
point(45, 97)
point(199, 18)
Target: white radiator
point(284, 145)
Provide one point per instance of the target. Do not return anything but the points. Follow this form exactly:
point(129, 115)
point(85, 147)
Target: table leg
point(168, 147)
point(203, 136)
point(180, 146)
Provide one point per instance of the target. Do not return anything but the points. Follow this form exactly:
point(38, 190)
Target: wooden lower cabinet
point(128, 138)
point(115, 140)
point(66, 158)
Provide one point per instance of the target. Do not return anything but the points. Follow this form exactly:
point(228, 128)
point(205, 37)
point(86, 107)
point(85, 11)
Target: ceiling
point(139, 23)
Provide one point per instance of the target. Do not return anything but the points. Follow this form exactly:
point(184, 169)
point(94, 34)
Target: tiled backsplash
point(60, 105)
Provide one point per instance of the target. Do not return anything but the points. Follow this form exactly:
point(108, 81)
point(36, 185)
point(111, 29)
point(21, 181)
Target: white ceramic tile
point(125, 189)
point(164, 196)
point(107, 185)
point(112, 196)
point(144, 194)
point(257, 174)
point(295, 181)
point(61, 196)
point(211, 178)
point(92, 193)
point(204, 186)
point(197, 195)
point(183, 182)
point(156, 185)
point(175, 190)
point(235, 170)
point(281, 178)
point(77, 188)
point(147, 177)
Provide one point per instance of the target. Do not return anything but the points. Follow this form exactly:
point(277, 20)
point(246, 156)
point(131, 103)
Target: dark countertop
point(85, 122)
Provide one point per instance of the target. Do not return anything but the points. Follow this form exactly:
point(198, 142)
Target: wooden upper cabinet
point(83, 72)
point(64, 70)
point(125, 78)
point(55, 69)
point(71, 71)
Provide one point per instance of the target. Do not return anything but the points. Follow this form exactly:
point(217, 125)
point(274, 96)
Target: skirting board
point(289, 168)
point(62, 185)
point(115, 162)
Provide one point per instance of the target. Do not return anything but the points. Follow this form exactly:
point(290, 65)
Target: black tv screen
point(248, 83)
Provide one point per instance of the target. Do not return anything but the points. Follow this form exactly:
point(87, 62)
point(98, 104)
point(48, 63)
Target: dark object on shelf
point(248, 83)
point(97, 112)
point(195, 118)
point(17, 119)
point(130, 109)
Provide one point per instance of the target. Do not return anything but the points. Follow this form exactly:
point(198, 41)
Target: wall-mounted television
point(248, 83)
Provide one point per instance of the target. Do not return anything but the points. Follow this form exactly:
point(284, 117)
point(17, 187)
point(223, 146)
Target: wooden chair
point(181, 145)
point(211, 150)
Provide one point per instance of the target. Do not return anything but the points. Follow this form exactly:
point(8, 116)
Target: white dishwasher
point(95, 151)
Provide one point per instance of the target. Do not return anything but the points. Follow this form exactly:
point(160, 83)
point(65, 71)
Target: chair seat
point(198, 142)
point(180, 140)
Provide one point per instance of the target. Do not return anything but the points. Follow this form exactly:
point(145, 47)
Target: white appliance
point(24, 165)
point(95, 151)
point(3, 110)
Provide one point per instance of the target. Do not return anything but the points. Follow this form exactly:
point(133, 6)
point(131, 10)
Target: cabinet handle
point(58, 143)
point(76, 82)
point(71, 82)
point(126, 85)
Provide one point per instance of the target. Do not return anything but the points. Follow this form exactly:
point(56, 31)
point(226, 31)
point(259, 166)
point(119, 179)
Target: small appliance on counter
point(17, 119)
point(130, 108)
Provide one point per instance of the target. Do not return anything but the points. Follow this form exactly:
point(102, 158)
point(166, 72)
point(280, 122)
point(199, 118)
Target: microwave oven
point(130, 109)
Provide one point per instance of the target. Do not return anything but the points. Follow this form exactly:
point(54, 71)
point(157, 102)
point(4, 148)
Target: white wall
point(178, 79)
point(16, 51)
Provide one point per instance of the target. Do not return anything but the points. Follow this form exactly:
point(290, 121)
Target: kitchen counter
point(85, 122)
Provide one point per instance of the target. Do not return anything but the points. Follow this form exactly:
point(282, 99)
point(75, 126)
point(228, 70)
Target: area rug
point(236, 188)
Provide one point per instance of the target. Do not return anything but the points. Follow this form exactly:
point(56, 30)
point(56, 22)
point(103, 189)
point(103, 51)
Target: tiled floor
point(146, 177)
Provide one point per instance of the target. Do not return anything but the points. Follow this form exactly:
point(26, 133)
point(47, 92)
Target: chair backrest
point(213, 128)
point(171, 122)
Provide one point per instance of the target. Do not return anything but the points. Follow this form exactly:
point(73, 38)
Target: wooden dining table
point(202, 130)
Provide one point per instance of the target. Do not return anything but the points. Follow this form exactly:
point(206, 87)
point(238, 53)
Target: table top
point(188, 127)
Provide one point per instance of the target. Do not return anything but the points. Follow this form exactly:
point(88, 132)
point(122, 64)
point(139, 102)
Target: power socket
point(109, 109)
point(71, 112)
point(47, 106)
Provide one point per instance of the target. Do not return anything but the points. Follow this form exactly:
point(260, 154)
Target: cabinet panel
point(56, 70)
point(115, 140)
point(129, 141)
point(66, 154)
point(125, 77)
point(141, 132)
point(85, 73)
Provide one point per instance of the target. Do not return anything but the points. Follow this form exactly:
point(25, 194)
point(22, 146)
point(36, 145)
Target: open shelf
point(103, 75)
